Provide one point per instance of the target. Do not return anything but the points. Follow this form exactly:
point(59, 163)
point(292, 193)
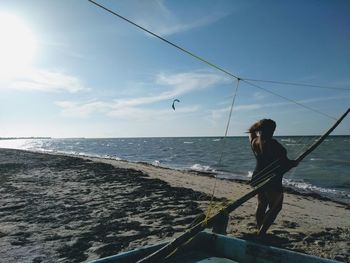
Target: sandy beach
point(57, 208)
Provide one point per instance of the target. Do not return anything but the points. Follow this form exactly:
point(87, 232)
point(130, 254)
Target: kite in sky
point(175, 100)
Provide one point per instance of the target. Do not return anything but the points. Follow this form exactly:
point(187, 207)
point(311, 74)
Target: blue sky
point(90, 74)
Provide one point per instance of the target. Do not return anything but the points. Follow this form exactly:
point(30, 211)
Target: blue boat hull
point(208, 247)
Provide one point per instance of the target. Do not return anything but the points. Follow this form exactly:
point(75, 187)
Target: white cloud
point(144, 114)
point(173, 27)
point(191, 80)
point(82, 110)
point(155, 16)
point(345, 83)
point(259, 95)
point(220, 112)
point(43, 80)
point(175, 85)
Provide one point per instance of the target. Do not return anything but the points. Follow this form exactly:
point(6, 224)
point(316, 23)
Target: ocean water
point(325, 171)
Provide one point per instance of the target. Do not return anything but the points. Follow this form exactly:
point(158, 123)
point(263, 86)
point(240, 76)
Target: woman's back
point(267, 151)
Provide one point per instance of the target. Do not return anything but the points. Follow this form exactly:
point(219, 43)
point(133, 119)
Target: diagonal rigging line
point(288, 99)
point(223, 144)
point(295, 84)
point(165, 40)
point(207, 62)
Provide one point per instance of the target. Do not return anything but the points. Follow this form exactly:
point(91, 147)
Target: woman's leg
point(261, 209)
point(275, 201)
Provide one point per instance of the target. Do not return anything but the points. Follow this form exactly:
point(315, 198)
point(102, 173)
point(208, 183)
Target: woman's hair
point(266, 127)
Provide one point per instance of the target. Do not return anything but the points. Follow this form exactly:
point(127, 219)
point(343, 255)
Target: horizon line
point(140, 137)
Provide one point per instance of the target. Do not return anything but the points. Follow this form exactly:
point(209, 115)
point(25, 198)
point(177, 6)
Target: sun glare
point(17, 46)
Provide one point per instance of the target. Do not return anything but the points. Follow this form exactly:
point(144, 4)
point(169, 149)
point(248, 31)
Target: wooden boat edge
point(224, 246)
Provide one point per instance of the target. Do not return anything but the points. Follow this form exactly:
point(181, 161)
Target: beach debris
point(173, 106)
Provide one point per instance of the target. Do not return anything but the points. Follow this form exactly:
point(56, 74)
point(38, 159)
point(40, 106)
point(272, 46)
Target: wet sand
point(57, 208)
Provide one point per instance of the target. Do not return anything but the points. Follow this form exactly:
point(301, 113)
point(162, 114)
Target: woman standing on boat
point(268, 152)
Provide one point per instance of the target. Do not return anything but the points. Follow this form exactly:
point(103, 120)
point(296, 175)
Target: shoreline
point(211, 174)
point(66, 208)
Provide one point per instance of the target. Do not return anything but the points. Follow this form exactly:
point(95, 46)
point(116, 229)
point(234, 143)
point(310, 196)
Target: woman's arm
point(282, 155)
point(253, 131)
point(252, 136)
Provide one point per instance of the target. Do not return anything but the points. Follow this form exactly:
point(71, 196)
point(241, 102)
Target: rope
point(265, 173)
point(290, 100)
point(212, 64)
point(165, 40)
point(210, 206)
point(269, 169)
point(307, 143)
point(296, 84)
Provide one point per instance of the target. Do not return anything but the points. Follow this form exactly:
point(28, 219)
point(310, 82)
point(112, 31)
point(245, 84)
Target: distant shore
point(68, 209)
point(219, 136)
point(23, 138)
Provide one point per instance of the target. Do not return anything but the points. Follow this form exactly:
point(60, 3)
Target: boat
point(208, 247)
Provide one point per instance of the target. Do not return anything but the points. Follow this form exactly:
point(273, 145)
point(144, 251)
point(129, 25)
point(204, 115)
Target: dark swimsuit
point(274, 151)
